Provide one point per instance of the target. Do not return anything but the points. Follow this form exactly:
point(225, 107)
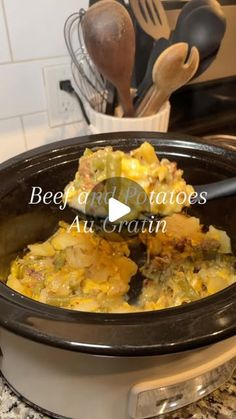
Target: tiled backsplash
point(31, 38)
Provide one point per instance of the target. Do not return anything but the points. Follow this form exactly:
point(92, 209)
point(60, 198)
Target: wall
point(31, 37)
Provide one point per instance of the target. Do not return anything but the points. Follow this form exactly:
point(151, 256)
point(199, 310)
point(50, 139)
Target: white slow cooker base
point(81, 386)
point(28, 402)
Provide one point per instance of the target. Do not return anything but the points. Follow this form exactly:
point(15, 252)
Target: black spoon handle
point(219, 189)
point(158, 47)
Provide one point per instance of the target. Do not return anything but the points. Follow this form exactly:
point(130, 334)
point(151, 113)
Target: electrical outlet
point(63, 107)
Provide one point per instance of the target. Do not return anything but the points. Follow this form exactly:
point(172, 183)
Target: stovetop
point(205, 108)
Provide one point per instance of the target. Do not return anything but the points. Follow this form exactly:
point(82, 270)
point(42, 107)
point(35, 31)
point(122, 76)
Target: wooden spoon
point(110, 41)
point(170, 72)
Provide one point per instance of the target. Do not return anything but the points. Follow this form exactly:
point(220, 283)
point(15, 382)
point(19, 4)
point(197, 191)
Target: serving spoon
point(170, 72)
point(201, 23)
point(220, 189)
point(109, 37)
point(208, 24)
point(158, 47)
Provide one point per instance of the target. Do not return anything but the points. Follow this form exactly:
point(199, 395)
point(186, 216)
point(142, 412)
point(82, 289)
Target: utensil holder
point(102, 123)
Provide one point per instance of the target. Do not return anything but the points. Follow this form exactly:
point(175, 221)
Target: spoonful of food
point(123, 187)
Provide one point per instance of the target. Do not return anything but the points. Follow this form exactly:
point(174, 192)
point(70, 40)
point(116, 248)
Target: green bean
point(87, 152)
point(58, 301)
point(59, 261)
point(113, 165)
point(187, 289)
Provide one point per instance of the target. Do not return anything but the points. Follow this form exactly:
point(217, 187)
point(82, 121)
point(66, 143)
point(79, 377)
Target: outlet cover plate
point(63, 107)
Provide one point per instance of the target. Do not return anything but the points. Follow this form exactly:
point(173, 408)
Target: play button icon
point(117, 200)
point(117, 210)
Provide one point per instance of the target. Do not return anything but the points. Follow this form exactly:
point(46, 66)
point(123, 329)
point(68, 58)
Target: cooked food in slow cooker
point(161, 179)
point(75, 270)
point(185, 264)
point(82, 271)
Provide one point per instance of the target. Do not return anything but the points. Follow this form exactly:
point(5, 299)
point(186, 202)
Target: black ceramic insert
point(51, 167)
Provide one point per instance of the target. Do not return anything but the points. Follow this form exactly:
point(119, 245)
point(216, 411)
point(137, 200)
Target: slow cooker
point(81, 365)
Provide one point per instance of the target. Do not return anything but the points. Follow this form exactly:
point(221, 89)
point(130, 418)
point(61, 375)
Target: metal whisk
point(89, 82)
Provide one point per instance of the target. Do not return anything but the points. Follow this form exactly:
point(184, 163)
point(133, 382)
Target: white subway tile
point(36, 26)
point(22, 88)
point(4, 46)
point(11, 138)
point(38, 132)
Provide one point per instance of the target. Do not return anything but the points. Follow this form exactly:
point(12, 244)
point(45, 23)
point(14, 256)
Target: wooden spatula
point(152, 18)
point(110, 41)
point(170, 72)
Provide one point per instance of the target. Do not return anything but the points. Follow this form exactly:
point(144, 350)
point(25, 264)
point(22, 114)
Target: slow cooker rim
point(25, 308)
point(20, 300)
point(115, 349)
point(180, 139)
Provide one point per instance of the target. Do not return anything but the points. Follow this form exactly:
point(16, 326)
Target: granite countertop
point(219, 405)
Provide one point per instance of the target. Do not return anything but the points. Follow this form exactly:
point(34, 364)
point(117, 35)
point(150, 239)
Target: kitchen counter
point(219, 405)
